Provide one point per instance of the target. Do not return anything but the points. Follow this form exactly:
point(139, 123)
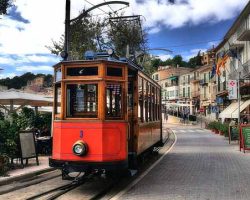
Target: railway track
point(91, 186)
point(58, 191)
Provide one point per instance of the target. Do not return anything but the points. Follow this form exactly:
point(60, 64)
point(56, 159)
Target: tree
point(4, 5)
point(195, 61)
point(94, 34)
point(83, 37)
point(126, 32)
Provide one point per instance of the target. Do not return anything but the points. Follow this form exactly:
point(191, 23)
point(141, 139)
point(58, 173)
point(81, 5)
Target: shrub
point(8, 138)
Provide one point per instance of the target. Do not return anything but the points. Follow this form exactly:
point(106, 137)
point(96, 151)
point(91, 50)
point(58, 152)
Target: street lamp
point(64, 54)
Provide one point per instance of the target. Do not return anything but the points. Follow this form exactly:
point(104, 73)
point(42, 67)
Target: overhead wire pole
point(64, 54)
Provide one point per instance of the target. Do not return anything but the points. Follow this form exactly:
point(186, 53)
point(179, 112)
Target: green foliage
point(223, 128)
point(8, 138)
point(123, 33)
point(84, 35)
point(1, 115)
point(94, 34)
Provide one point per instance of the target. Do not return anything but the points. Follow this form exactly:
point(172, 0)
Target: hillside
point(18, 82)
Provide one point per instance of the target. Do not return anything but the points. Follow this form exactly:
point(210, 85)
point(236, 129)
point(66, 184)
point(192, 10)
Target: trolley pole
point(67, 25)
point(238, 83)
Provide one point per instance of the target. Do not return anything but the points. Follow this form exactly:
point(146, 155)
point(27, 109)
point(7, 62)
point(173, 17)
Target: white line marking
point(117, 196)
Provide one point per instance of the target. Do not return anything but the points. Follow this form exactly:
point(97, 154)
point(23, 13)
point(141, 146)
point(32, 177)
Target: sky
point(182, 26)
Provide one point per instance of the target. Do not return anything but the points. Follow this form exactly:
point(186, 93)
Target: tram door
point(131, 117)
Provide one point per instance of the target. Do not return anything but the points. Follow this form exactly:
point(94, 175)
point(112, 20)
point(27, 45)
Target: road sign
point(232, 89)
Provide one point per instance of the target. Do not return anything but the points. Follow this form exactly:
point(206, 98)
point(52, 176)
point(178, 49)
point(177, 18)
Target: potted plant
point(4, 162)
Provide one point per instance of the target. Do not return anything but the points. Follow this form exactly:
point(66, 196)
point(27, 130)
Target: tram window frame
point(87, 100)
point(58, 74)
point(109, 71)
point(57, 100)
point(150, 103)
point(145, 94)
point(153, 103)
point(122, 97)
point(140, 99)
point(159, 104)
point(80, 68)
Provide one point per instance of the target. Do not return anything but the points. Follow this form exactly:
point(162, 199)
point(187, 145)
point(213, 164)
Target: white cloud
point(46, 22)
point(34, 68)
point(39, 58)
point(5, 75)
point(164, 57)
point(191, 12)
point(192, 53)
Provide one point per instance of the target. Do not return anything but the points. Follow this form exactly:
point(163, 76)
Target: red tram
point(106, 113)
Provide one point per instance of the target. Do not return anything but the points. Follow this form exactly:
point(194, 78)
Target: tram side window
point(140, 106)
point(82, 100)
point(82, 71)
point(114, 101)
point(58, 93)
point(145, 95)
point(114, 71)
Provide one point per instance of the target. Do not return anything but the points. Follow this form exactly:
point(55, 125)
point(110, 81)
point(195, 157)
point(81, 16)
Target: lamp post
point(64, 54)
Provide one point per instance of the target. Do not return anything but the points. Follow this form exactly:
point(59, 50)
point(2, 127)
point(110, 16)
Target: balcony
point(203, 82)
point(235, 43)
point(243, 32)
point(195, 94)
point(244, 71)
point(194, 80)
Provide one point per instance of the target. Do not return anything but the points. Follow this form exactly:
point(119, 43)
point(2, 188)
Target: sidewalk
point(28, 171)
point(201, 165)
point(173, 121)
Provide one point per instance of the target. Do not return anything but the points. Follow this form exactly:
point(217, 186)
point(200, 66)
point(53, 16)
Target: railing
point(195, 94)
point(203, 82)
point(244, 71)
point(243, 28)
point(235, 43)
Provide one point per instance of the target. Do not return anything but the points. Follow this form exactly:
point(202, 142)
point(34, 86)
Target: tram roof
point(121, 61)
point(110, 60)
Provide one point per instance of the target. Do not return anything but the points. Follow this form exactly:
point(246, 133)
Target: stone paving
point(201, 165)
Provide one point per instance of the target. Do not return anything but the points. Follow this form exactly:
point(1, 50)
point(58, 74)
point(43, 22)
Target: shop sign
point(245, 137)
point(219, 100)
point(232, 89)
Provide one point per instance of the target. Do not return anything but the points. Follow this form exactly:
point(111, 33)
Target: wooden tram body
point(108, 109)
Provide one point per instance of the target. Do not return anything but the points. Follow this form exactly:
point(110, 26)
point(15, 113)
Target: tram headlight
point(80, 148)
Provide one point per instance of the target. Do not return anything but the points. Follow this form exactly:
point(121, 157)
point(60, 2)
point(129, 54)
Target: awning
point(11, 98)
point(243, 106)
point(173, 77)
point(226, 113)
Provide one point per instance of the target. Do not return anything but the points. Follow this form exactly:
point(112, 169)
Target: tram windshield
point(82, 100)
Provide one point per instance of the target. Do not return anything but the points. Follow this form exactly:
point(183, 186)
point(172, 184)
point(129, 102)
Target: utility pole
point(238, 83)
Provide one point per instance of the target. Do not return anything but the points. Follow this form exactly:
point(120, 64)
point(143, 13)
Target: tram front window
point(113, 101)
point(82, 100)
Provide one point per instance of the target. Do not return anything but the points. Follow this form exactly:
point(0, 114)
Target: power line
point(97, 8)
point(195, 43)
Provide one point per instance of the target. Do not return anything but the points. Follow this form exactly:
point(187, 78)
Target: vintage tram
point(107, 112)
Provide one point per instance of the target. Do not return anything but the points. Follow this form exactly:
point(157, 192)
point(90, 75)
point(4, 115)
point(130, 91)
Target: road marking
point(117, 196)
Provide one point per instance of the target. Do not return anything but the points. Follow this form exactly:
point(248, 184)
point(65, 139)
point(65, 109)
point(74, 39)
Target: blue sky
point(185, 27)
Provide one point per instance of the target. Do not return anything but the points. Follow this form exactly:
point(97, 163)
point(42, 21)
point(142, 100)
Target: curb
point(25, 176)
